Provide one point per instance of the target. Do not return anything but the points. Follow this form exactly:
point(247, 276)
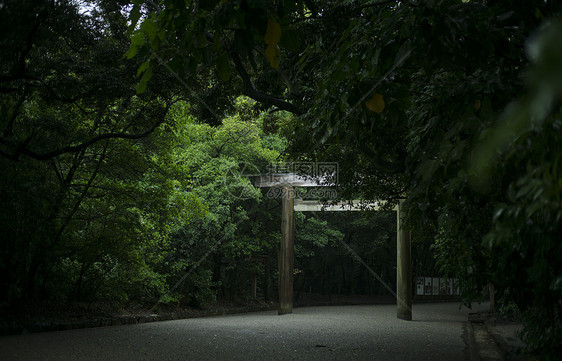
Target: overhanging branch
point(22, 150)
point(250, 91)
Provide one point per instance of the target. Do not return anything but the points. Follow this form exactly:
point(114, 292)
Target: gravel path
point(370, 332)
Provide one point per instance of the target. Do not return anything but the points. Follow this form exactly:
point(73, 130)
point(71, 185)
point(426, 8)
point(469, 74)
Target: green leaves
point(137, 40)
point(147, 74)
point(150, 28)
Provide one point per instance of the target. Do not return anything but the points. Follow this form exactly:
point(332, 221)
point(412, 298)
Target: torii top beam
point(276, 180)
point(355, 205)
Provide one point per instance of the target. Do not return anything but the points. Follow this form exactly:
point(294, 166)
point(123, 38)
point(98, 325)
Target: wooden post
point(286, 252)
point(266, 282)
point(254, 286)
point(492, 297)
point(403, 268)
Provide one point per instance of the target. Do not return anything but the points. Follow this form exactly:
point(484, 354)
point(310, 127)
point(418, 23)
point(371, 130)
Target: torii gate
point(288, 182)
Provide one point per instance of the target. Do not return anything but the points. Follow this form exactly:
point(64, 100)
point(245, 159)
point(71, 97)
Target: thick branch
point(78, 202)
point(8, 130)
point(249, 89)
point(252, 92)
point(18, 69)
point(74, 148)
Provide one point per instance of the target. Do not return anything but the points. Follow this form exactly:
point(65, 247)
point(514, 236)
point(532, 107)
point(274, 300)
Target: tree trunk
point(29, 290)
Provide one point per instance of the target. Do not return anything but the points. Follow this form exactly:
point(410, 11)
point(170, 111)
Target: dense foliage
point(79, 211)
point(115, 196)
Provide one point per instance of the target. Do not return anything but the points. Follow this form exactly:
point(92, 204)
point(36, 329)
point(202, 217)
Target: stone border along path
point(494, 339)
point(125, 320)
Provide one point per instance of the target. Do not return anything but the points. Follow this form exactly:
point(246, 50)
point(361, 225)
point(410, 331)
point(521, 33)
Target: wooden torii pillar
point(403, 268)
point(287, 182)
point(286, 251)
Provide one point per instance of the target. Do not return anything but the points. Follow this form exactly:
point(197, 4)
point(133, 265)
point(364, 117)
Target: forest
point(128, 129)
